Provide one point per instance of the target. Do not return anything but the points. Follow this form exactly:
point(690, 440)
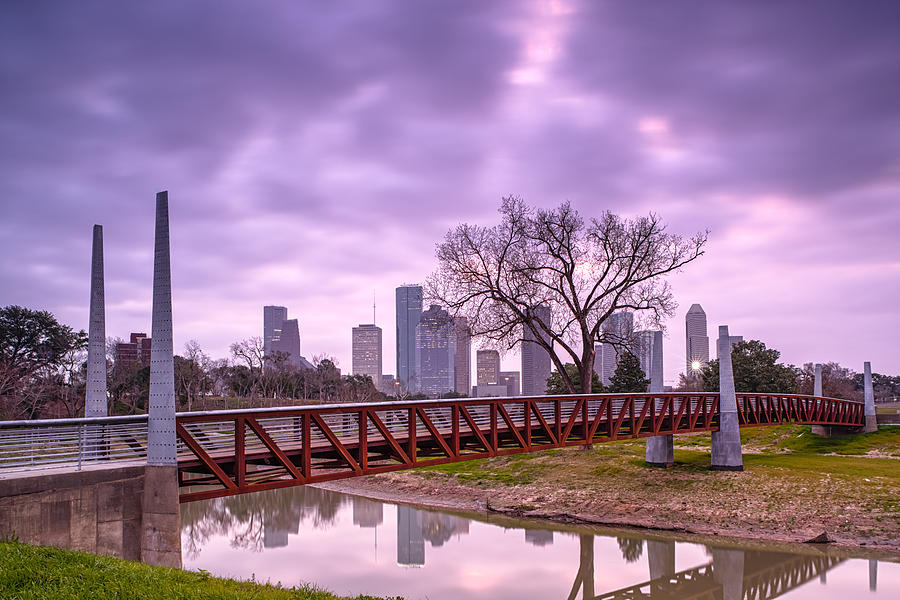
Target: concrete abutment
point(99, 509)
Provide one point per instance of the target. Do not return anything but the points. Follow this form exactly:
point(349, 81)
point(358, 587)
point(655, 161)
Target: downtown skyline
point(304, 175)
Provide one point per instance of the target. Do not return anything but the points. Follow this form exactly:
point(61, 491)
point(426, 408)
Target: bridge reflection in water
point(266, 520)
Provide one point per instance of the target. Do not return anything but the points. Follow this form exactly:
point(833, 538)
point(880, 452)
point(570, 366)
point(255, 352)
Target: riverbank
point(794, 487)
point(42, 573)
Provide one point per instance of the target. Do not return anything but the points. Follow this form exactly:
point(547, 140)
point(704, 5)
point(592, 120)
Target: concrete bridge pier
point(869, 396)
point(161, 522)
point(726, 442)
point(660, 449)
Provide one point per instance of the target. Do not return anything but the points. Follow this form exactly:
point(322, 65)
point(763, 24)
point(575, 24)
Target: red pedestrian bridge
point(221, 453)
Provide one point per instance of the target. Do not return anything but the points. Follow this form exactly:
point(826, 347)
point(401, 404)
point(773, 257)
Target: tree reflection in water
point(249, 519)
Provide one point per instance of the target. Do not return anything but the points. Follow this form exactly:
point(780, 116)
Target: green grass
point(515, 469)
point(798, 438)
point(34, 572)
point(772, 451)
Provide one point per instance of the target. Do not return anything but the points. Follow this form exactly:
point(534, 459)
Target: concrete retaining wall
point(96, 510)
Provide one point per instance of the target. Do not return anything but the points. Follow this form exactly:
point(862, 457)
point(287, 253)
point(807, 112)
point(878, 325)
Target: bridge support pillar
point(871, 422)
point(160, 528)
point(819, 430)
point(95, 403)
point(660, 449)
point(817, 382)
point(726, 442)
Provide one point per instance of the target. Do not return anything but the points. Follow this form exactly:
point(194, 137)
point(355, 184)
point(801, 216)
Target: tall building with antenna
point(367, 352)
point(367, 349)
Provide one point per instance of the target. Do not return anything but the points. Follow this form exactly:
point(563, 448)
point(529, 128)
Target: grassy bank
point(34, 572)
point(794, 486)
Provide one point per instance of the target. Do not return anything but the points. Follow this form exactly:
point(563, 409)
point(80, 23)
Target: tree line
point(43, 370)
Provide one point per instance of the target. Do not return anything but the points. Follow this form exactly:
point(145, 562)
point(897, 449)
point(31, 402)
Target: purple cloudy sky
point(315, 152)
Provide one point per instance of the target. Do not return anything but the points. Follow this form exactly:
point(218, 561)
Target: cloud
point(314, 155)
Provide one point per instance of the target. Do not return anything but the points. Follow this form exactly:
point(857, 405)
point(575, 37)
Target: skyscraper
point(289, 342)
point(409, 310)
point(619, 330)
point(462, 362)
point(487, 367)
point(281, 334)
point(435, 352)
point(273, 317)
point(643, 349)
point(511, 379)
point(367, 352)
point(696, 339)
point(535, 359)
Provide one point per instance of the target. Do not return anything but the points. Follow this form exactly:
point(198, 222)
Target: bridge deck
point(230, 452)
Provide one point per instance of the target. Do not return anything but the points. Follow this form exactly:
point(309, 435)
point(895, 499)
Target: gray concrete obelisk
point(660, 450)
point(820, 430)
point(160, 526)
point(726, 442)
point(95, 387)
point(869, 396)
point(817, 383)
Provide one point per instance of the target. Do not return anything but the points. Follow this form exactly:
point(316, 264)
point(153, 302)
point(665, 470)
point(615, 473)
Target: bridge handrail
point(115, 420)
point(395, 404)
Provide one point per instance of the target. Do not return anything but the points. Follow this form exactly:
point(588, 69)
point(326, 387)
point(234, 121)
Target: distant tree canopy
point(756, 369)
point(556, 386)
point(628, 376)
point(39, 361)
point(503, 279)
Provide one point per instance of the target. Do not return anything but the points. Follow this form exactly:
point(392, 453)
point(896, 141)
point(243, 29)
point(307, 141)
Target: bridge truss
point(232, 452)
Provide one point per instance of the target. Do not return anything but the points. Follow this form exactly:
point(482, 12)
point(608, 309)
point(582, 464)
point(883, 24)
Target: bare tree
point(498, 276)
point(191, 373)
point(252, 353)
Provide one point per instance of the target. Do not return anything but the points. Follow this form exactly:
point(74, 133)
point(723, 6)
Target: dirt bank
point(789, 502)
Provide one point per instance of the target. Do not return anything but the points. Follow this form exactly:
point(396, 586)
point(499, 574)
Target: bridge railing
point(73, 443)
point(524, 421)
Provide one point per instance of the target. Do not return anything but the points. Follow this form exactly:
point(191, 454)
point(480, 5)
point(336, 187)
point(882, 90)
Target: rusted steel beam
point(474, 428)
point(495, 445)
point(363, 443)
point(573, 418)
point(389, 438)
point(526, 407)
point(205, 458)
point(335, 442)
point(544, 424)
point(269, 443)
point(603, 418)
point(240, 464)
point(411, 434)
point(511, 425)
point(434, 433)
